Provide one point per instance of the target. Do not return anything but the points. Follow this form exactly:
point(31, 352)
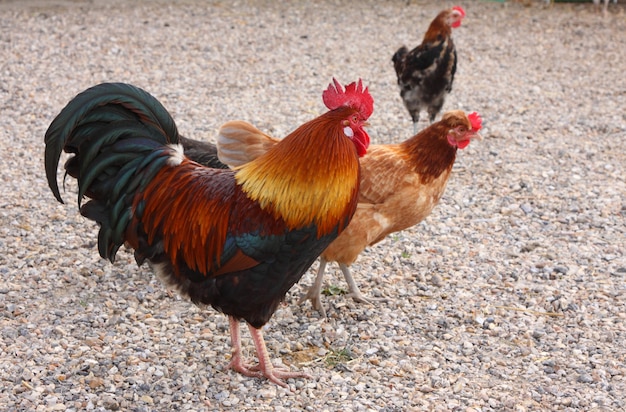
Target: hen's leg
point(265, 367)
point(353, 289)
point(415, 116)
point(314, 292)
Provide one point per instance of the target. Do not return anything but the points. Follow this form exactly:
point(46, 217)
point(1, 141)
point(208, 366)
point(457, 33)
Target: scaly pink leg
point(265, 367)
point(265, 363)
point(236, 362)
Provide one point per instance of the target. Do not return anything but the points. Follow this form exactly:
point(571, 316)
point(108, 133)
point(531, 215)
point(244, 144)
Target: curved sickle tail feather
point(98, 109)
point(119, 135)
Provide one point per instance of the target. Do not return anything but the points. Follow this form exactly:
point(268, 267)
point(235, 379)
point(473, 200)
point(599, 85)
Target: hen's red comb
point(460, 10)
point(354, 96)
point(475, 120)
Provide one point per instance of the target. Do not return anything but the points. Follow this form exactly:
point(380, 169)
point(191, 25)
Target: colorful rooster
point(400, 184)
point(235, 240)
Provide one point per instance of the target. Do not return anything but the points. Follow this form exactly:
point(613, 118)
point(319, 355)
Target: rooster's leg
point(314, 292)
point(265, 367)
point(236, 362)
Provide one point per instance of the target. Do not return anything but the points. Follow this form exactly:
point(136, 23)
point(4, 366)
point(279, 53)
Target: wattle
point(460, 144)
point(463, 144)
point(362, 141)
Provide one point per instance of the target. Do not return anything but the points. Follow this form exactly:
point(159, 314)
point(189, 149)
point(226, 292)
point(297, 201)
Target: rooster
point(425, 74)
point(235, 240)
point(400, 185)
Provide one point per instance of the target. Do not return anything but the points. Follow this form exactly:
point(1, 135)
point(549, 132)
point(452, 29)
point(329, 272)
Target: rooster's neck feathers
point(293, 182)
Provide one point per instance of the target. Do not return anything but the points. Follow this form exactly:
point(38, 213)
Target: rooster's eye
point(355, 118)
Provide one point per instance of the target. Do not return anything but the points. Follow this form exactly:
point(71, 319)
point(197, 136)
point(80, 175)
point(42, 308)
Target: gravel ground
point(510, 296)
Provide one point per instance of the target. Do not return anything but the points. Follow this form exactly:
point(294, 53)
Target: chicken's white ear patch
point(348, 132)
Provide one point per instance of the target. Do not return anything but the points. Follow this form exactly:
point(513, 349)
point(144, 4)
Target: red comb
point(354, 96)
point(460, 10)
point(475, 120)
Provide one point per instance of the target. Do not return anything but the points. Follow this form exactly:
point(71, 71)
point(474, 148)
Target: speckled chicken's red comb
point(461, 14)
point(475, 120)
point(460, 10)
point(354, 96)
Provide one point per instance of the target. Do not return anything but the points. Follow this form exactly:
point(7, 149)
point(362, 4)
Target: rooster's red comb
point(475, 120)
point(354, 96)
point(460, 10)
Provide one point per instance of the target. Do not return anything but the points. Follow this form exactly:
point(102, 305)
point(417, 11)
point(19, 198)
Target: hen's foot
point(314, 297)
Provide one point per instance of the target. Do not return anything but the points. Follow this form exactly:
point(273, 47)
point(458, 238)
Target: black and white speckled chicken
point(425, 74)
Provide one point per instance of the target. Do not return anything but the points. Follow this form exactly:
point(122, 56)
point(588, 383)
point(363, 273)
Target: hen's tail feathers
point(119, 136)
point(239, 142)
point(398, 60)
point(98, 117)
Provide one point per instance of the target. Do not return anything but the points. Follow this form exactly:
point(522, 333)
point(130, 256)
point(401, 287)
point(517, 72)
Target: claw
point(274, 374)
point(264, 368)
point(314, 296)
point(358, 297)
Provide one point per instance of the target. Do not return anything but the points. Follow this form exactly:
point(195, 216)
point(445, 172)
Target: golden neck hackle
point(310, 177)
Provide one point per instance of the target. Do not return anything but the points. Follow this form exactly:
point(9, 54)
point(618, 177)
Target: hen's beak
point(477, 136)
